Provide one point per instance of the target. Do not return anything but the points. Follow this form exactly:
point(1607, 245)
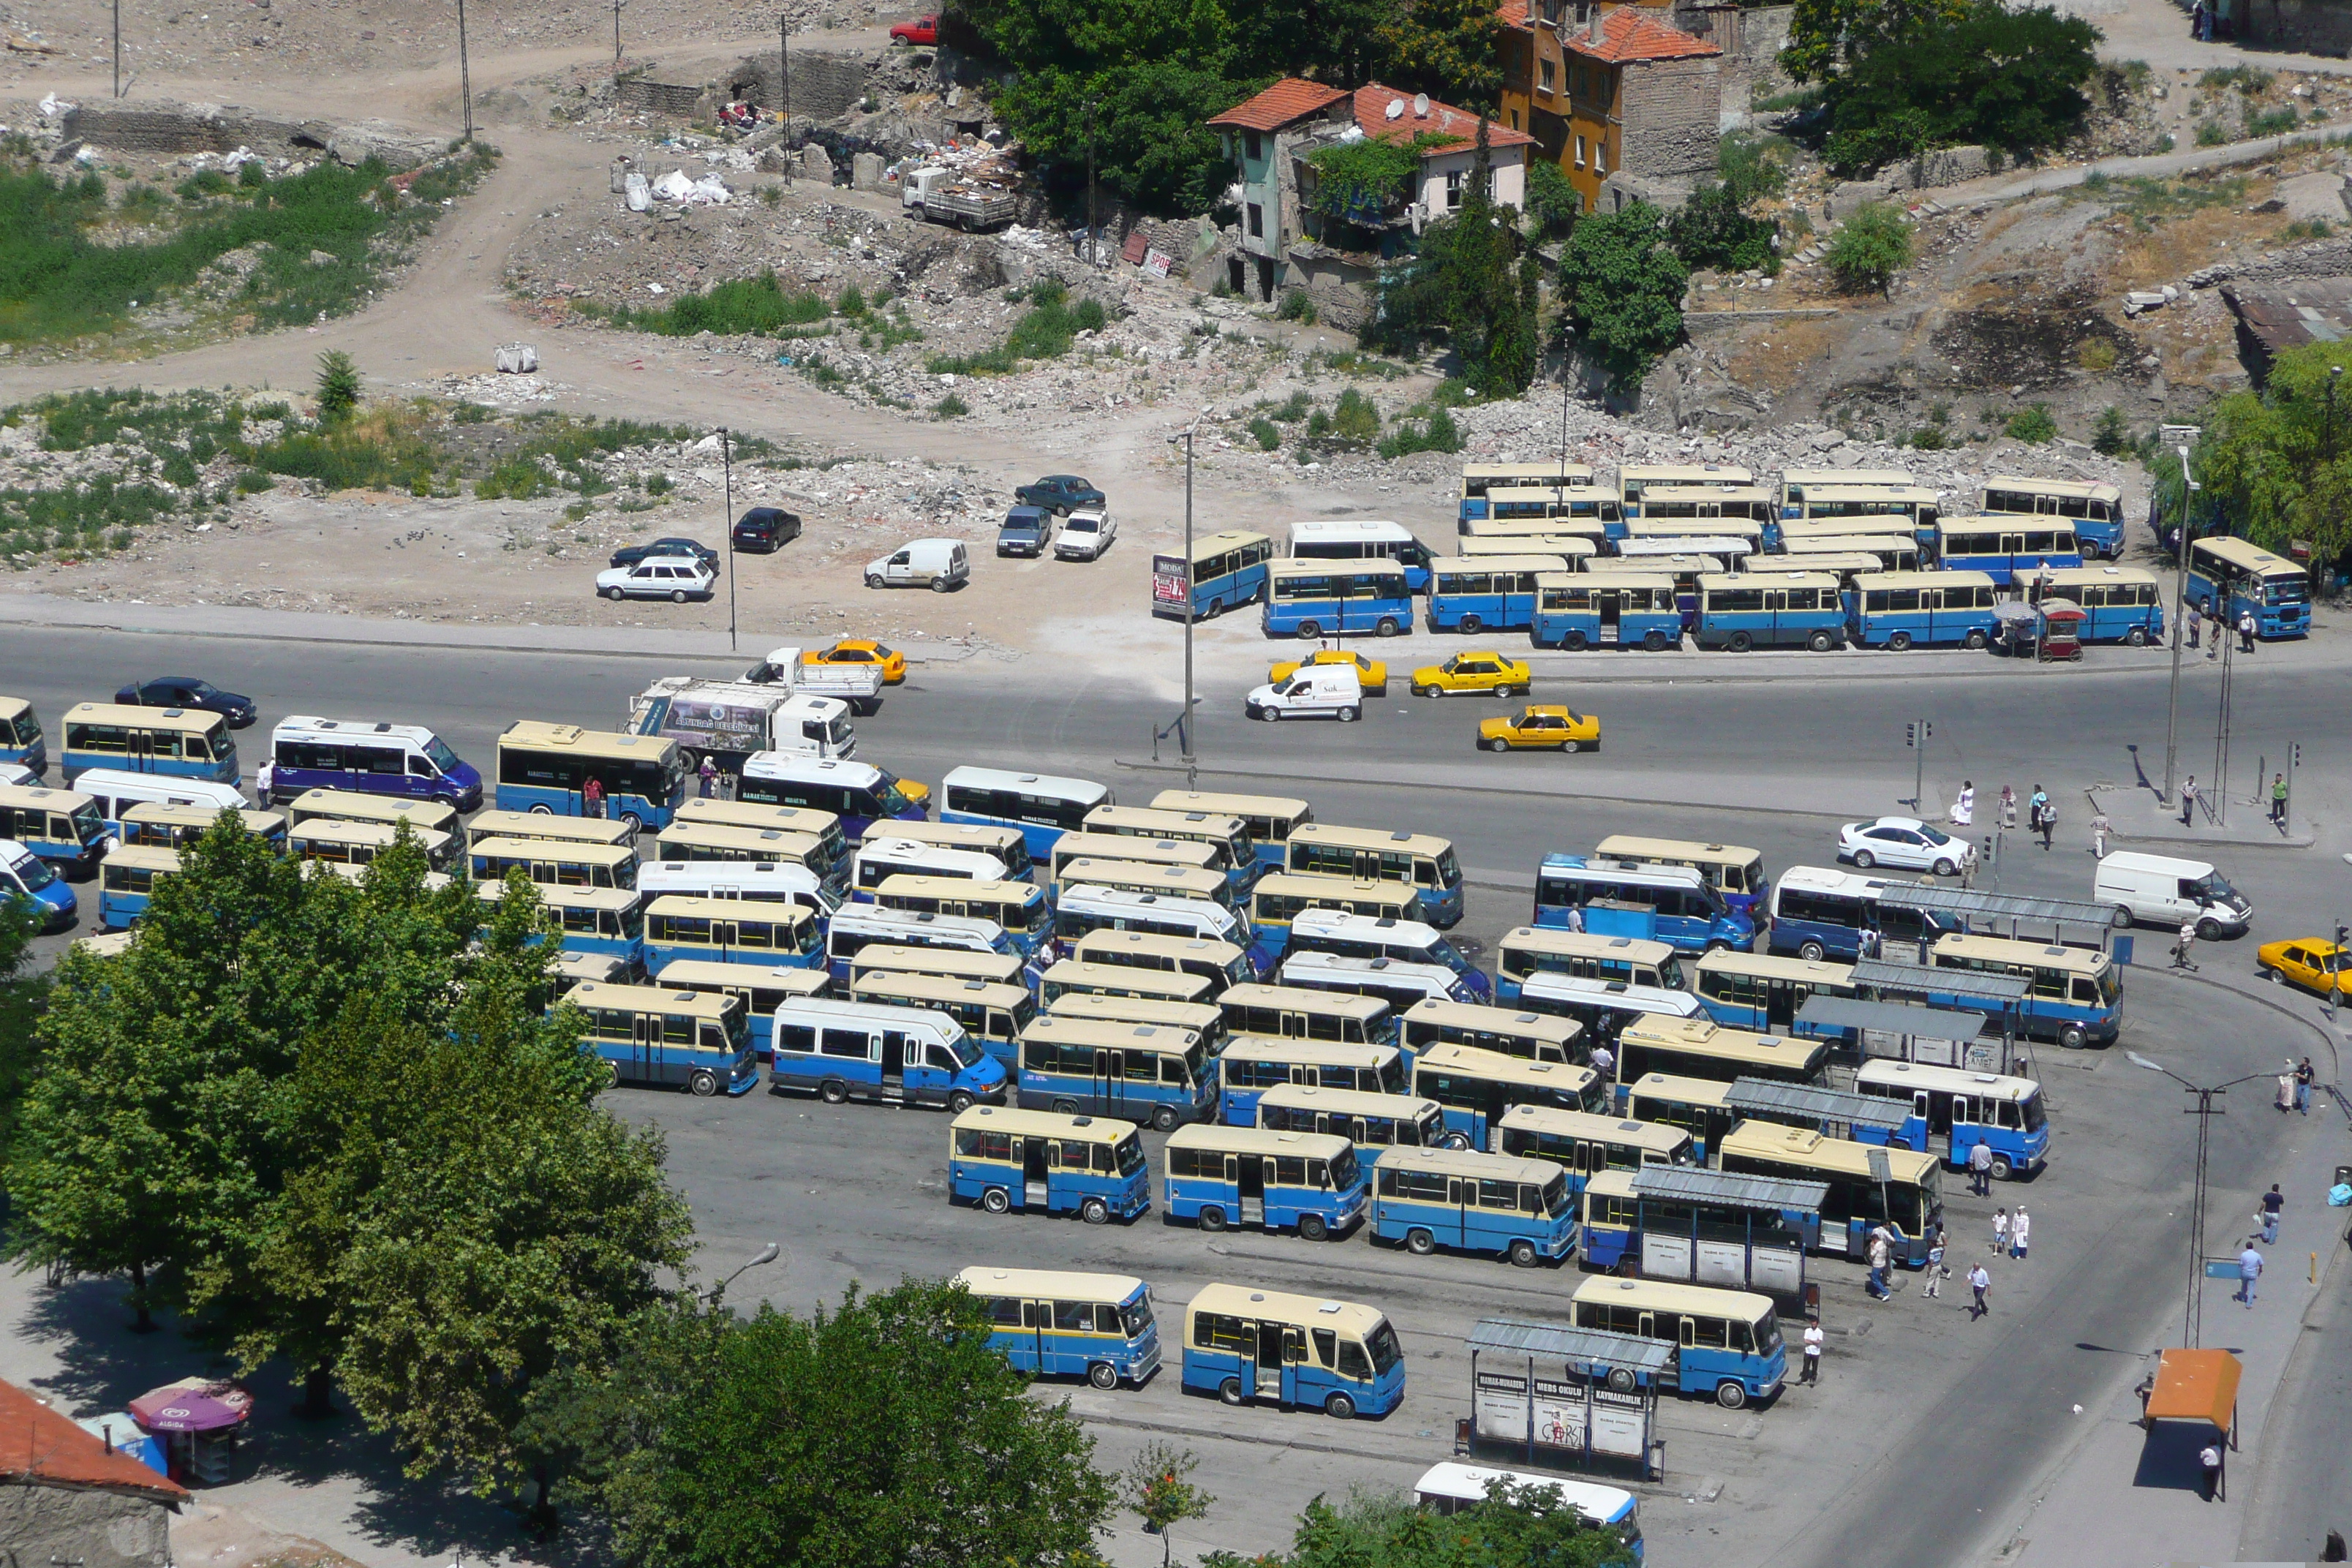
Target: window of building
point(1579, 151)
point(1255, 148)
point(1453, 189)
point(1600, 155)
point(1256, 220)
point(1552, 13)
point(1515, 120)
point(1544, 78)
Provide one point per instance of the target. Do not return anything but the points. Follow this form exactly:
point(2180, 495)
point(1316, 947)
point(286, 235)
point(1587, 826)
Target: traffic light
point(1910, 734)
point(2296, 752)
point(2340, 934)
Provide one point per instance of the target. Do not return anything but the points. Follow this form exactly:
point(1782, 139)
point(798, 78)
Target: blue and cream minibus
point(650, 1034)
point(1227, 570)
point(2095, 510)
point(1007, 845)
point(1144, 876)
point(954, 963)
point(1374, 1122)
point(1220, 963)
point(2076, 995)
point(1735, 871)
point(1348, 935)
point(2119, 604)
point(1728, 1341)
point(1399, 985)
point(1310, 599)
point(762, 990)
point(1476, 1086)
point(1019, 907)
point(1280, 897)
point(1252, 1064)
point(1700, 1047)
point(1302, 1353)
point(1909, 1202)
point(1041, 807)
point(170, 826)
point(1766, 989)
point(1792, 609)
point(1226, 835)
point(1604, 1006)
point(607, 921)
point(63, 827)
point(543, 860)
point(1138, 1072)
point(1506, 1031)
point(1796, 483)
point(1697, 1107)
point(546, 767)
point(1607, 608)
point(2228, 578)
point(1584, 1145)
point(1635, 480)
point(1268, 819)
point(992, 1015)
point(730, 930)
point(853, 1049)
point(1954, 1111)
point(859, 795)
point(1422, 861)
point(1307, 1182)
point(1900, 610)
point(1291, 1013)
point(2006, 549)
point(1485, 593)
point(1480, 480)
point(1677, 905)
point(1002, 1158)
point(1054, 1324)
point(1520, 1210)
point(1077, 978)
point(1198, 1017)
point(176, 743)
point(1529, 951)
point(854, 926)
point(830, 859)
point(21, 741)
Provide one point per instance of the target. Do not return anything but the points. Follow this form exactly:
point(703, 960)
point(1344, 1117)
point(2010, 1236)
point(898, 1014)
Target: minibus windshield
point(2034, 1117)
point(1382, 1343)
point(34, 872)
point(1135, 1317)
point(441, 755)
point(1130, 1154)
point(965, 1052)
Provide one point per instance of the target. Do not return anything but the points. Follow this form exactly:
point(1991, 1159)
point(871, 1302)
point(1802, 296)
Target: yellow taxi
point(1371, 674)
point(864, 653)
point(2313, 962)
point(1485, 672)
point(1538, 725)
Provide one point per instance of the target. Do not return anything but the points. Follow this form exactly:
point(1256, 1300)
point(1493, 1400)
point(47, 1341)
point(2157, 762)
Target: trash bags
point(517, 359)
point(639, 192)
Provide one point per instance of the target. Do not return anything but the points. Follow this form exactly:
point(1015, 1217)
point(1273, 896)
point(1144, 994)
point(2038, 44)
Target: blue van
point(1002, 1158)
point(1304, 1353)
point(25, 875)
point(861, 1050)
point(406, 761)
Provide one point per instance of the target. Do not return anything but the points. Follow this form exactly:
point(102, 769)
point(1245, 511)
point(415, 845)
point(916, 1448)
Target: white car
point(676, 578)
point(1905, 842)
point(1085, 535)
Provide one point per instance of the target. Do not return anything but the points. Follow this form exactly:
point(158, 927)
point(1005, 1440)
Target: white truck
point(727, 720)
point(936, 193)
point(861, 688)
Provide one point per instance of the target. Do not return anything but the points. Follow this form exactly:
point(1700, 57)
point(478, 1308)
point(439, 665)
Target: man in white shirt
point(1813, 1338)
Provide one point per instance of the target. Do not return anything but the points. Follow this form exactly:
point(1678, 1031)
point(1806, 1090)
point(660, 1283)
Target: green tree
point(1824, 32)
point(1452, 49)
point(1552, 202)
point(1514, 1527)
point(1709, 230)
point(1471, 283)
point(1623, 285)
point(883, 1435)
point(22, 993)
point(1988, 75)
point(1872, 245)
point(1159, 1488)
point(338, 385)
point(2276, 466)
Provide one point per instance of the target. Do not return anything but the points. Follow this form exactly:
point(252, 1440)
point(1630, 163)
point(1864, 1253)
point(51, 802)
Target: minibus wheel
point(1898, 643)
point(1453, 1140)
point(1230, 1391)
point(2073, 1038)
point(1420, 1243)
point(634, 822)
point(1309, 630)
point(1654, 642)
point(1741, 642)
point(1216, 607)
point(1821, 642)
point(1729, 1394)
point(996, 1200)
point(702, 1085)
point(611, 1075)
point(833, 1091)
point(958, 1102)
point(1094, 1210)
point(1471, 624)
point(1312, 1228)
point(1573, 642)
point(1387, 628)
point(1212, 1218)
point(2137, 637)
point(1811, 952)
point(2001, 1169)
point(1975, 641)
point(543, 811)
point(1102, 1374)
point(1339, 1408)
point(1523, 1254)
point(1164, 1119)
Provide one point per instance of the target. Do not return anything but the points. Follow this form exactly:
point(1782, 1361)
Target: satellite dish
point(1396, 108)
point(1421, 106)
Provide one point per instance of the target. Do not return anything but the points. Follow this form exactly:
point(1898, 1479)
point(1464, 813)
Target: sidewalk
point(2142, 821)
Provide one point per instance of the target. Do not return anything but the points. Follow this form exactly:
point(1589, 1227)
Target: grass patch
point(2252, 80)
point(1045, 330)
point(2146, 200)
point(2270, 121)
point(950, 407)
point(2211, 134)
point(1439, 434)
point(742, 307)
point(2031, 424)
point(1264, 431)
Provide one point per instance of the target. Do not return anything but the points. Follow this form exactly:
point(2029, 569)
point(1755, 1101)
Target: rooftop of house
point(1394, 116)
point(39, 1447)
point(1289, 100)
point(1630, 34)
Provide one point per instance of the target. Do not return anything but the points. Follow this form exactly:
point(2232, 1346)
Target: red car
point(921, 30)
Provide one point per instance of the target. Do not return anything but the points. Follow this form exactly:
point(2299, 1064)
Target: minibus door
point(543, 873)
point(645, 1033)
point(1963, 1128)
point(1035, 1188)
point(1247, 1173)
point(1780, 1006)
point(1270, 1382)
point(893, 1064)
point(1459, 1196)
point(1110, 1079)
point(1032, 1318)
point(1612, 606)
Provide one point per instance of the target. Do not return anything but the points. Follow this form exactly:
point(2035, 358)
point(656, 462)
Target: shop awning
point(2196, 1385)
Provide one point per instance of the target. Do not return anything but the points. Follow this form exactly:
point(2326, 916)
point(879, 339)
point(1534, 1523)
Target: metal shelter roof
point(1885, 975)
point(1977, 903)
point(1760, 1097)
point(1583, 1347)
point(1692, 1184)
point(1894, 1017)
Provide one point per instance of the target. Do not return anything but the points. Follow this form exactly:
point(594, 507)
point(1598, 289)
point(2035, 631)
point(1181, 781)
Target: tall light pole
point(2193, 1311)
point(1093, 259)
point(759, 1259)
point(1192, 762)
point(2177, 436)
point(617, 33)
point(464, 72)
point(785, 65)
point(117, 49)
point(727, 521)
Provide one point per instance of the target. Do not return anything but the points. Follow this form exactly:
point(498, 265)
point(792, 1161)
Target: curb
point(1476, 789)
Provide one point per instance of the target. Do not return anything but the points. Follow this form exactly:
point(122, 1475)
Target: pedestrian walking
point(2209, 1457)
point(2100, 828)
point(1979, 1283)
point(1999, 1231)
point(1814, 1341)
point(1937, 1272)
point(2278, 799)
point(2189, 800)
point(2048, 819)
point(1604, 1062)
point(2181, 949)
point(2303, 1075)
point(1980, 1169)
point(591, 797)
point(709, 774)
point(2287, 1088)
point(2274, 1200)
point(264, 779)
point(2020, 1224)
point(1881, 1258)
point(1964, 808)
point(2194, 622)
point(2250, 1270)
point(2008, 806)
point(2246, 631)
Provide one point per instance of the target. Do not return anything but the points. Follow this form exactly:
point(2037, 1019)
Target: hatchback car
point(2313, 962)
point(1085, 535)
point(863, 653)
point(1906, 842)
point(763, 529)
point(630, 554)
point(1060, 492)
point(1481, 672)
point(1371, 674)
point(1025, 531)
point(1539, 726)
point(676, 578)
point(188, 691)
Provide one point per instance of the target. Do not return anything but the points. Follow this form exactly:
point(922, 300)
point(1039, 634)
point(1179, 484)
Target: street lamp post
point(726, 524)
point(2179, 436)
point(759, 1259)
point(2335, 374)
point(117, 49)
point(464, 72)
point(785, 65)
point(1093, 259)
point(616, 33)
point(1185, 733)
point(2192, 1313)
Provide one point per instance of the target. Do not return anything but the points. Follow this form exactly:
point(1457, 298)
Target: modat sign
point(1171, 580)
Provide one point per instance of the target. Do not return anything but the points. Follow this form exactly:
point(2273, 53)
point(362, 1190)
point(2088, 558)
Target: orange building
point(1621, 93)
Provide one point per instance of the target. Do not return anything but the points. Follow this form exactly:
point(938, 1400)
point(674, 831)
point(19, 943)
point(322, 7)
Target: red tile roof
point(1442, 119)
point(1630, 34)
point(1291, 99)
point(41, 1446)
point(1515, 13)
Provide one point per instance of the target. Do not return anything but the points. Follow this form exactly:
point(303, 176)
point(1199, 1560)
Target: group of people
point(2040, 815)
point(2195, 625)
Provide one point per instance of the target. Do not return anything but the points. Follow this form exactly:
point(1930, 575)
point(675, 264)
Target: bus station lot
point(859, 1194)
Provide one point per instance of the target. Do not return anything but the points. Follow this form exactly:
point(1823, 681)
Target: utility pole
point(2221, 730)
point(616, 34)
point(1563, 420)
point(2177, 436)
point(117, 49)
point(727, 523)
point(2294, 756)
point(1916, 735)
point(1185, 733)
point(785, 65)
point(2192, 1313)
point(1093, 259)
point(464, 72)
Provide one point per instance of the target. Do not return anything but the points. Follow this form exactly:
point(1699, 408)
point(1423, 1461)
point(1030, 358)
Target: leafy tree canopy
point(22, 993)
point(1470, 283)
point(2276, 466)
point(1513, 1528)
point(1821, 31)
point(1709, 230)
point(1985, 76)
point(1622, 286)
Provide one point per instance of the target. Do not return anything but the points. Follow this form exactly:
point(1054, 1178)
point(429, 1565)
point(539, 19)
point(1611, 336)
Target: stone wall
point(673, 99)
point(90, 1529)
point(155, 127)
point(1672, 111)
point(1340, 289)
point(2327, 258)
point(822, 84)
point(2304, 27)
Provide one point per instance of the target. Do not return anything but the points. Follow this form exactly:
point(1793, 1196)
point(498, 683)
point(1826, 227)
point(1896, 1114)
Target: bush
point(1985, 73)
point(2110, 435)
point(1753, 167)
point(852, 302)
point(2211, 134)
point(1268, 436)
point(339, 382)
point(2270, 121)
point(1296, 307)
point(1928, 438)
point(2097, 355)
point(1439, 435)
point(744, 306)
point(578, 510)
point(1874, 246)
point(1293, 409)
point(950, 407)
point(2032, 424)
point(1552, 202)
point(1354, 418)
point(1709, 230)
point(253, 481)
point(658, 485)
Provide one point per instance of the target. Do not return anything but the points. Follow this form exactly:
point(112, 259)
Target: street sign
point(1171, 580)
point(1882, 1170)
point(2220, 1268)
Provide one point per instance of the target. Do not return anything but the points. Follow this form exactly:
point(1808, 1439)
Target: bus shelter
point(1713, 1227)
point(1832, 1112)
point(1908, 1031)
point(1570, 1395)
point(1999, 996)
point(1984, 913)
point(2191, 1401)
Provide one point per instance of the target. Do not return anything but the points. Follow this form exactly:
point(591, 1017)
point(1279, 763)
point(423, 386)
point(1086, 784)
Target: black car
point(1063, 493)
point(188, 691)
point(630, 554)
point(764, 529)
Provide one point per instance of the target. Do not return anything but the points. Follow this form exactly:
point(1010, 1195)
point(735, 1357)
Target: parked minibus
point(1208, 886)
point(779, 881)
point(1604, 1006)
point(1637, 479)
point(2076, 994)
point(539, 860)
point(1360, 539)
point(21, 741)
point(1700, 1047)
point(1735, 871)
point(1697, 1107)
point(1084, 846)
point(1344, 934)
point(652, 1034)
point(2227, 578)
point(952, 963)
point(1485, 593)
point(1581, 509)
point(1201, 1018)
point(1307, 1181)
point(879, 857)
point(992, 1015)
point(1268, 819)
point(1302, 1353)
point(1080, 910)
point(66, 827)
point(1744, 503)
point(1795, 609)
point(762, 990)
point(1399, 985)
point(1448, 1489)
point(1280, 897)
point(607, 921)
point(570, 968)
point(723, 843)
point(859, 794)
point(1059, 1325)
point(841, 1049)
point(1764, 990)
point(1009, 845)
point(359, 843)
point(1140, 1072)
point(853, 926)
point(1227, 570)
point(432, 815)
point(1040, 806)
point(177, 743)
point(2006, 549)
point(1728, 1341)
point(114, 792)
point(1252, 1064)
point(1374, 1122)
point(1825, 912)
point(1900, 610)
point(1309, 599)
point(1019, 906)
point(1795, 482)
point(1476, 1086)
point(1557, 551)
point(1424, 862)
point(1290, 1012)
point(730, 930)
point(171, 826)
point(1527, 950)
point(2119, 604)
point(26, 877)
point(1584, 1145)
point(2096, 510)
point(1220, 963)
point(1077, 978)
point(1516, 1209)
point(406, 761)
point(1953, 1110)
point(1479, 481)
point(544, 767)
point(1227, 836)
point(825, 826)
point(1677, 905)
point(1910, 1203)
point(1002, 1158)
point(1607, 608)
point(1506, 1031)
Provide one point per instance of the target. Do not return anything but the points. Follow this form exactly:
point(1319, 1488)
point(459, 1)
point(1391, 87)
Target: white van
point(2161, 891)
point(938, 565)
point(116, 790)
point(1315, 692)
